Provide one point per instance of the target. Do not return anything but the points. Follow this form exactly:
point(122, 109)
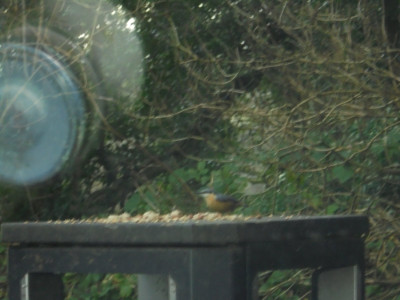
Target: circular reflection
point(41, 114)
point(57, 77)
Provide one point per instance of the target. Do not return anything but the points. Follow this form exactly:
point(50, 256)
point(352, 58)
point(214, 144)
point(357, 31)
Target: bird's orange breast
point(219, 206)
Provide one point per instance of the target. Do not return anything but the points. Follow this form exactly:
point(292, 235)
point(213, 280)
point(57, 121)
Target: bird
point(218, 202)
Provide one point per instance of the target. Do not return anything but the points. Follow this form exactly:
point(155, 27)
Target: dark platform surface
point(203, 233)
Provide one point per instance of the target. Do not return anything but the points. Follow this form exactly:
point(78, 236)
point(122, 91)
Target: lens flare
point(56, 71)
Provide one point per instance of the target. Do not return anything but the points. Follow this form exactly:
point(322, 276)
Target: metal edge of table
point(202, 233)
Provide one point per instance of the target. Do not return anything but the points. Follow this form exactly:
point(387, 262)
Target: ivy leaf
point(125, 289)
point(332, 208)
point(342, 173)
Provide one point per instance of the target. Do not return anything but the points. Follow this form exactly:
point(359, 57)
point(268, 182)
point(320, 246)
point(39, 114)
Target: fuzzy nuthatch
point(218, 202)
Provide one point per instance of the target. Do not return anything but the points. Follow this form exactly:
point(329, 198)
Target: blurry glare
point(112, 35)
point(83, 36)
point(131, 24)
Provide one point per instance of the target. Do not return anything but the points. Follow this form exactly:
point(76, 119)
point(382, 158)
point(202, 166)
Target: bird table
point(205, 259)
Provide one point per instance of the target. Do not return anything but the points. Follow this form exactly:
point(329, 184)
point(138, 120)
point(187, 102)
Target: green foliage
point(3, 271)
point(178, 188)
point(285, 284)
point(99, 286)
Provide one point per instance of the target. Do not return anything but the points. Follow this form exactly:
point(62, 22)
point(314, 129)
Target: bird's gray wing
point(226, 198)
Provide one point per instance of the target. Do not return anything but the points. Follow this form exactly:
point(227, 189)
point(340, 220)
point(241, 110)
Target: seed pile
point(153, 217)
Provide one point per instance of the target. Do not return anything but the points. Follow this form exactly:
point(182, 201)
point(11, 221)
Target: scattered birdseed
point(154, 217)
